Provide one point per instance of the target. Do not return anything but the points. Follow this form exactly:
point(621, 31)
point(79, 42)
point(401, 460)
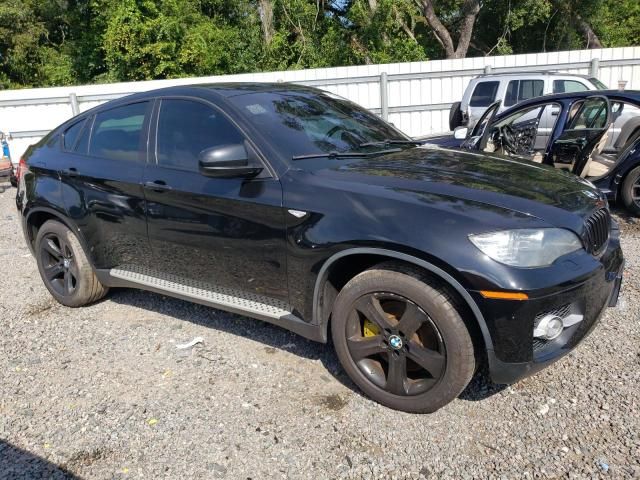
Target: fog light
point(549, 327)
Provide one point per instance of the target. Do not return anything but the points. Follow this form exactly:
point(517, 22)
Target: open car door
point(584, 135)
point(477, 138)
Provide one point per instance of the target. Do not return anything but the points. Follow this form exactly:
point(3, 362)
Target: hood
point(504, 182)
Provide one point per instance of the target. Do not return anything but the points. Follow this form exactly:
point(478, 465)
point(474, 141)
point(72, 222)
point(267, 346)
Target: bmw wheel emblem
point(395, 341)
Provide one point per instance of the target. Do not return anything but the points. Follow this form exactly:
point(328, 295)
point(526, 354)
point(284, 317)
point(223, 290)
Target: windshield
point(307, 122)
point(598, 84)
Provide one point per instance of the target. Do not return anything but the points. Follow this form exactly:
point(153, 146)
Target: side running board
point(236, 301)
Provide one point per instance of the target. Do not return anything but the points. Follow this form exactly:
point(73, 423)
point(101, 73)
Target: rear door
point(584, 134)
point(101, 175)
point(225, 232)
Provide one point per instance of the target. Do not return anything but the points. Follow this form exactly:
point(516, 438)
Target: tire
point(455, 116)
point(631, 183)
point(442, 342)
point(65, 268)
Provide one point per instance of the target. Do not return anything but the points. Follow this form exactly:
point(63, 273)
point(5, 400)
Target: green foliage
point(385, 34)
point(618, 23)
point(61, 42)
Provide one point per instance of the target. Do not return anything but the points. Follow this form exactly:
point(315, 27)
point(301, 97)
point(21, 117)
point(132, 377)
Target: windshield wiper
point(345, 154)
point(389, 141)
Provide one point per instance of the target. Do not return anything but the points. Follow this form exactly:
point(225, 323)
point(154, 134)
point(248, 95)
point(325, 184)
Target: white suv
point(512, 88)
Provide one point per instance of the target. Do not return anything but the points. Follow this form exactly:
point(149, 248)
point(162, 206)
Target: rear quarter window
point(70, 135)
point(484, 94)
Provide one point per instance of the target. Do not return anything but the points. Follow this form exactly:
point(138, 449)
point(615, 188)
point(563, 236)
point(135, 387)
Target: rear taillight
point(22, 168)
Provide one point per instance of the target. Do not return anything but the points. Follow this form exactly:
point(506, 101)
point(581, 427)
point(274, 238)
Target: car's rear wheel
point(631, 191)
point(64, 266)
point(401, 338)
point(455, 116)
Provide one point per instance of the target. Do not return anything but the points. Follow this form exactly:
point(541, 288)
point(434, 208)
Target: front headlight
point(527, 247)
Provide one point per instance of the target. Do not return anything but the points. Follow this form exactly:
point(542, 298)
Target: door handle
point(71, 172)
point(157, 186)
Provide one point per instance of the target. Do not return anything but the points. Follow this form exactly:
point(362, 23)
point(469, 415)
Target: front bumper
point(515, 353)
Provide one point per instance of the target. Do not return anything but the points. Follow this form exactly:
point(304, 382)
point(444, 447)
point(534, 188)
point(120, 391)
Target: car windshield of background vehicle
point(303, 123)
point(598, 84)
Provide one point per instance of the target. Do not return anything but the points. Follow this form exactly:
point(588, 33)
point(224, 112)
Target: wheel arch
point(37, 216)
point(628, 166)
point(628, 130)
point(322, 309)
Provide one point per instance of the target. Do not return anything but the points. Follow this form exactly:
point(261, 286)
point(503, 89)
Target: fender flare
point(323, 274)
point(64, 220)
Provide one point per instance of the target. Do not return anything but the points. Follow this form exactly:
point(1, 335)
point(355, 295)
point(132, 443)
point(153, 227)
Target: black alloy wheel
point(64, 267)
point(635, 193)
point(59, 266)
point(630, 191)
point(401, 349)
point(401, 337)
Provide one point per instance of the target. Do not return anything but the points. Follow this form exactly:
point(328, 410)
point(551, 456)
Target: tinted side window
point(484, 94)
point(117, 133)
point(591, 114)
point(519, 90)
point(71, 134)
point(186, 128)
point(53, 141)
point(568, 86)
point(530, 89)
point(511, 97)
point(82, 145)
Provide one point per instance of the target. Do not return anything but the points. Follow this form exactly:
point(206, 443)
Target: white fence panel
point(416, 99)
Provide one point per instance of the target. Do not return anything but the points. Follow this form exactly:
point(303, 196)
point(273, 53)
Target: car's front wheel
point(64, 266)
point(401, 338)
point(630, 190)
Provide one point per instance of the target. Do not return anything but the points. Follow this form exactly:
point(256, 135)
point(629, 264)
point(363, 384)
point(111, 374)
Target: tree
point(33, 49)
point(464, 23)
point(575, 11)
point(382, 31)
point(61, 42)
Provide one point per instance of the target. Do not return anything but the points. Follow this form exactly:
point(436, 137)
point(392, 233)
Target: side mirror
point(227, 161)
point(460, 133)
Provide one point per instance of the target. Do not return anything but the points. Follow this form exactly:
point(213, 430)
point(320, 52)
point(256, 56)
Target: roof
point(219, 90)
point(231, 89)
point(534, 72)
point(631, 96)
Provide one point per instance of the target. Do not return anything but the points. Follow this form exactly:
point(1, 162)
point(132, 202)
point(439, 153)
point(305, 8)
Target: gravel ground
point(102, 392)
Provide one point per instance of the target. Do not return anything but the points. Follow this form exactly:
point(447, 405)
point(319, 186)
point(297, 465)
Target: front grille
point(596, 231)
point(561, 312)
point(539, 344)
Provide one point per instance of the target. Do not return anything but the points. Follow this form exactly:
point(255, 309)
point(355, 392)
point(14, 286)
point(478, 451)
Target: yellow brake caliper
point(370, 329)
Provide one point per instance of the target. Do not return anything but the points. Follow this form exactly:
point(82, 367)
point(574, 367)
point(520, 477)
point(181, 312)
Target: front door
point(584, 134)
point(478, 136)
point(226, 232)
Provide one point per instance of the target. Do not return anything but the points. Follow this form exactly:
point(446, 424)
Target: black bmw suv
point(294, 206)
